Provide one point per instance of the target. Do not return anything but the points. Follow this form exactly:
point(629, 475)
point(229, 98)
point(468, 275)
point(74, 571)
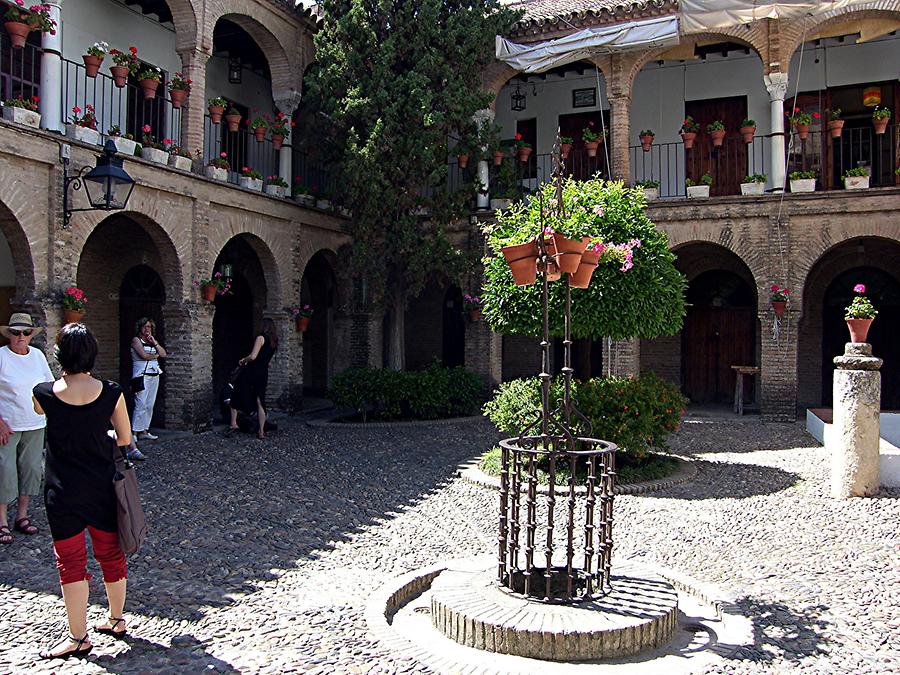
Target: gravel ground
point(263, 555)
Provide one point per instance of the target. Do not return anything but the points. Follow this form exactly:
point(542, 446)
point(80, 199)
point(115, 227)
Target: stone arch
point(20, 248)
point(494, 77)
point(184, 18)
point(319, 288)
point(715, 233)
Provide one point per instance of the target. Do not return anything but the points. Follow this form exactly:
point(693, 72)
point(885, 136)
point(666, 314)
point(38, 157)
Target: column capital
point(776, 85)
point(194, 55)
point(287, 101)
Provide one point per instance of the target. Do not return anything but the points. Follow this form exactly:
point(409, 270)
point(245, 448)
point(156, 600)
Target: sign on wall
point(584, 98)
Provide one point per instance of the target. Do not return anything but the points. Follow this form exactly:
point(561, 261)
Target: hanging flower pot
point(216, 112)
point(498, 157)
point(277, 141)
point(149, 87)
point(718, 137)
point(177, 96)
point(591, 147)
point(209, 292)
point(553, 271)
point(18, 33)
point(582, 276)
point(260, 133)
point(522, 260)
point(747, 134)
point(688, 137)
point(802, 131)
point(524, 153)
point(835, 127)
point(119, 75)
point(301, 323)
point(778, 307)
point(474, 315)
point(569, 252)
point(647, 142)
point(462, 161)
point(92, 64)
point(72, 316)
point(880, 124)
point(565, 149)
point(859, 329)
point(234, 122)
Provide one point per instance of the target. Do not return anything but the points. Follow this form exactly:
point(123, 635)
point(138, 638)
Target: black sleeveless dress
point(78, 477)
point(254, 380)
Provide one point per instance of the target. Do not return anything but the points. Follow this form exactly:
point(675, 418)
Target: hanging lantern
point(871, 96)
point(518, 99)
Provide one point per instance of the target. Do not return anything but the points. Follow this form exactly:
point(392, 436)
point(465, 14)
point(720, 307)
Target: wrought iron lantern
point(235, 71)
point(518, 99)
point(107, 186)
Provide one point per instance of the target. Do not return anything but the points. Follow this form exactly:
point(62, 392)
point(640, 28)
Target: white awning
point(537, 58)
point(698, 16)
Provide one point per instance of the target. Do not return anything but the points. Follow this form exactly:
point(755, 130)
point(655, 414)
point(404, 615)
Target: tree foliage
point(645, 301)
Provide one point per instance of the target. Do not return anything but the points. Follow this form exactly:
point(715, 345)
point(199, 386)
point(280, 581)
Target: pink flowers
point(147, 128)
point(859, 288)
point(223, 155)
point(620, 254)
point(598, 210)
point(779, 294)
point(74, 299)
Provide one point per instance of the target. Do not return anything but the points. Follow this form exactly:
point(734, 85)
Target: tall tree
point(394, 80)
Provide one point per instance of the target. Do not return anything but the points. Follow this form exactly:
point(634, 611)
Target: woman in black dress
point(254, 379)
point(78, 487)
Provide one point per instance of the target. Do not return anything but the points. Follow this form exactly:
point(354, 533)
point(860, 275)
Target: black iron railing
point(242, 149)
point(857, 146)
point(20, 69)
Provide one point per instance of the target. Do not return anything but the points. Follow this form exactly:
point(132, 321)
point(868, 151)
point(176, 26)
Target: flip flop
point(79, 650)
point(25, 526)
point(111, 630)
point(6, 537)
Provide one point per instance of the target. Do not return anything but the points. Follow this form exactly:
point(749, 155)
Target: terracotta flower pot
point(802, 131)
point(177, 96)
point(209, 292)
point(260, 133)
point(718, 137)
point(277, 141)
point(880, 124)
point(301, 323)
point(215, 113)
point(498, 157)
point(859, 329)
point(92, 64)
point(18, 33)
point(72, 315)
point(836, 127)
point(582, 276)
point(149, 86)
point(524, 153)
point(647, 142)
point(591, 147)
point(234, 122)
point(119, 75)
point(553, 272)
point(569, 250)
point(747, 133)
point(474, 315)
point(778, 307)
point(688, 137)
point(462, 161)
point(522, 260)
point(565, 149)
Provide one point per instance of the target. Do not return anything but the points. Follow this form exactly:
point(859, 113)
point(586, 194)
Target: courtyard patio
point(262, 557)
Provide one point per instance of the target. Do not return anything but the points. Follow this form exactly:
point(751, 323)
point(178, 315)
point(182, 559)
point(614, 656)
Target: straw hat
point(20, 321)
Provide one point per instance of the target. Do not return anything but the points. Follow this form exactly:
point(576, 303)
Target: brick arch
point(791, 33)
point(19, 246)
point(714, 233)
point(184, 18)
point(494, 77)
point(260, 239)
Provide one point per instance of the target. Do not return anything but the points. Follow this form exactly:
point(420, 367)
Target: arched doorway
point(7, 282)
point(141, 294)
point(435, 326)
point(317, 289)
point(453, 340)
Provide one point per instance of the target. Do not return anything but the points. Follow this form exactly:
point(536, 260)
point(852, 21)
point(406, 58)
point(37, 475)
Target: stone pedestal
point(857, 432)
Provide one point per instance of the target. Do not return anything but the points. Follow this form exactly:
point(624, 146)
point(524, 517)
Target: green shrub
point(517, 403)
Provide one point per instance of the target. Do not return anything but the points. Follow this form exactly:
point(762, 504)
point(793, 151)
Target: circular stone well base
point(639, 613)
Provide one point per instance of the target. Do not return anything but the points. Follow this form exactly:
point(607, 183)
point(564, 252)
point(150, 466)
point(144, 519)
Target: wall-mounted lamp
point(234, 71)
point(107, 185)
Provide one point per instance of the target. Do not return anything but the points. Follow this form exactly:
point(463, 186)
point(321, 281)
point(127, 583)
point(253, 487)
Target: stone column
point(620, 123)
point(193, 114)
point(287, 103)
point(484, 353)
point(776, 84)
point(286, 368)
point(483, 199)
point(856, 435)
point(51, 73)
point(622, 358)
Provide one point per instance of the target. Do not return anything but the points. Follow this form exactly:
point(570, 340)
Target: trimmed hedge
point(384, 394)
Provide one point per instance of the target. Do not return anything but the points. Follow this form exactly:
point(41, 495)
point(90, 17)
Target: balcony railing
point(857, 146)
point(242, 149)
point(20, 69)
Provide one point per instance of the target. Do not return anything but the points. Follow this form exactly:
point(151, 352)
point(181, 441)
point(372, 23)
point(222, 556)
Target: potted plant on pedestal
point(233, 118)
point(802, 181)
point(74, 304)
point(856, 178)
point(259, 126)
point(179, 90)
point(716, 132)
point(218, 167)
point(689, 130)
point(149, 79)
point(125, 144)
point(22, 111)
point(83, 128)
point(301, 315)
point(276, 186)
point(699, 189)
point(216, 108)
point(748, 130)
point(835, 123)
point(650, 188)
point(154, 150)
point(180, 159)
point(302, 193)
point(754, 184)
point(880, 117)
point(94, 58)
point(472, 306)
point(779, 298)
point(250, 179)
point(280, 128)
point(647, 137)
point(126, 63)
point(19, 22)
point(801, 122)
point(859, 315)
point(215, 285)
point(592, 140)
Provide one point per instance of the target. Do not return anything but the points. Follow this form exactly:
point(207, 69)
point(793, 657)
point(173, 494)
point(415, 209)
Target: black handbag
point(132, 525)
point(137, 382)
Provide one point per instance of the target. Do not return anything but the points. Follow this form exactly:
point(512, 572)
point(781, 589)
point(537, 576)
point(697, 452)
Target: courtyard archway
point(318, 289)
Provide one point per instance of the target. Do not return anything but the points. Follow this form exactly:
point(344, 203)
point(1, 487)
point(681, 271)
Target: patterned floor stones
point(263, 556)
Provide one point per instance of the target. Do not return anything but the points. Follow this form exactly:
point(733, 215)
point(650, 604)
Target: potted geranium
point(259, 125)
point(126, 63)
point(565, 146)
point(802, 181)
point(523, 148)
point(801, 122)
point(154, 150)
point(856, 178)
point(233, 118)
point(859, 315)
point(689, 130)
point(716, 132)
point(748, 130)
point(592, 140)
point(180, 159)
point(215, 285)
point(699, 189)
point(472, 306)
point(754, 184)
point(216, 109)
point(250, 179)
point(302, 193)
point(83, 127)
point(779, 298)
point(179, 89)
point(880, 117)
point(650, 188)
point(149, 79)
point(94, 58)
point(599, 252)
point(835, 123)
point(276, 186)
point(646, 137)
point(22, 111)
point(218, 167)
point(301, 316)
point(125, 143)
point(74, 304)
point(280, 127)
point(20, 21)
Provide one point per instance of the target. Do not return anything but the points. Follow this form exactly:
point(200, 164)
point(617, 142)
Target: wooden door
point(714, 339)
point(579, 165)
point(728, 163)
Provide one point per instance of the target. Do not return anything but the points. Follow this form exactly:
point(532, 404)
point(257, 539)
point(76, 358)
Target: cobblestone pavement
point(263, 555)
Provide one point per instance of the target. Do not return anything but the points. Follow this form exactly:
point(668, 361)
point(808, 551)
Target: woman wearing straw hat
point(21, 428)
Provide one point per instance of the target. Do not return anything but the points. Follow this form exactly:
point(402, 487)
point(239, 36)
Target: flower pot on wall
point(747, 134)
point(72, 315)
point(474, 315)
point(260, 133)
point(155, 155)
point(859, 329)
point(835, 128)
point(22, 116)
point(301, 323)
point(234, 122)
point(856, 182)
point(83, 134)
point(569, 250)
point(778, 306)
point(215, 113)
point(276, 191)
point(582, 276)
point(647, 142)
point(181, 163)
point(591, 147)
point(522, 260)
point(251, 183)
point(880, 124)
point(92, 64)
point(718, 137)
point(650, 194)
point(124, 146)
point(498, 156)
point(119, 75)
point(209, 292)
point(698, 191)
point(462, 161)
point(802, 131)
point(753, 188)
point(149, 86)
point(523, 154)
point(565, 149)
point(215, 173)
point(277, 141)
point(18, 33)
point(177, 96)
point(803, 185)
point(688, 137)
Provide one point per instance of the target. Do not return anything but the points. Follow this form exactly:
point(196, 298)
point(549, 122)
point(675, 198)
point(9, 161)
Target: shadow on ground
point(721, 480)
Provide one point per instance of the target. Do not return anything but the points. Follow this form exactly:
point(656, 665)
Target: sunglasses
point(16, 333)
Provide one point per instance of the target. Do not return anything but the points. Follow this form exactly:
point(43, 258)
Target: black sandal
point(111, 630)
point(25, 526)
point(6, 537)
point(79, 651)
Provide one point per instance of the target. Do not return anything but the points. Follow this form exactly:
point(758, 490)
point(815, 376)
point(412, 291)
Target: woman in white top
point(145, 352)
point(21, 428)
